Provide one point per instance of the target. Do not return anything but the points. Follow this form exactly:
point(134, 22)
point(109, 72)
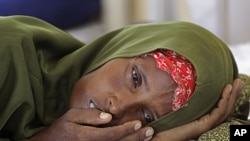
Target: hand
point(194, 129)
point(78, 124)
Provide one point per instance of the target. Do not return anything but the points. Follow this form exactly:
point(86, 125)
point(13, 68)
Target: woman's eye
point(147, 116)
point(136, 78)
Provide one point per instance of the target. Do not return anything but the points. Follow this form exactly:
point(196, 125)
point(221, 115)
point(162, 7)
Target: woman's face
point(127, 88)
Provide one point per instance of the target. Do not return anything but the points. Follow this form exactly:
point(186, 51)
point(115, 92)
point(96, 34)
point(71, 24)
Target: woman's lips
point(92, 104)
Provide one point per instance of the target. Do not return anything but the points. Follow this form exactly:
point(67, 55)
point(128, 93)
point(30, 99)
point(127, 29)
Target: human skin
point(194, 129)
point(128, 89)
point(81, 122)
point(125, 88)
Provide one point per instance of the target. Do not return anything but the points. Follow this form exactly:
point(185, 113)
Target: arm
point(207, 122)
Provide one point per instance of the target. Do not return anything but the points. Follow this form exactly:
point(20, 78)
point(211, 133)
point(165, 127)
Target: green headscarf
point(213, 61)
point(40, 64)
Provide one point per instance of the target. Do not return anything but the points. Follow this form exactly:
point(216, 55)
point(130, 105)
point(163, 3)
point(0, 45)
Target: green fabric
point(40, 64)
point(36, 76)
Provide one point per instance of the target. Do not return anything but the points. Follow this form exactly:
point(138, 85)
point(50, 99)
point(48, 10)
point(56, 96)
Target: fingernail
point(149, 133)
point(137, 126)
point(104, 115)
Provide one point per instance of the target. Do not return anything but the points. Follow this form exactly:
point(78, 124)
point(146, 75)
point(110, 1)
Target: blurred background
point(226, 18)
point(89, 19)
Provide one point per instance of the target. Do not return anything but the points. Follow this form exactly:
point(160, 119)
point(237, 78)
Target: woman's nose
point(119, 107)
point(115, 107)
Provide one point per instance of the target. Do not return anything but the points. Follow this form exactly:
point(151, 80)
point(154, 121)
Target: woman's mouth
point(92, 105)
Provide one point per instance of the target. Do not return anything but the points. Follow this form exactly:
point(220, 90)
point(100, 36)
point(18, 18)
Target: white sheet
point(241, 53)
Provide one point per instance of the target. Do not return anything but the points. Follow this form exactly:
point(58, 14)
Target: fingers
point(231, 92)
point(144, 134)
point(227, 102)
point(222, 111)
point(236, 87)
point(127, 131)
point(87, 116)
point(79, 118)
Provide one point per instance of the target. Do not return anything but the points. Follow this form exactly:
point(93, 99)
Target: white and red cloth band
point(181, 70)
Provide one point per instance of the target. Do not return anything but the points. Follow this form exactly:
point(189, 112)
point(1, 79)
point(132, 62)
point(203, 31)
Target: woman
point(52, 83)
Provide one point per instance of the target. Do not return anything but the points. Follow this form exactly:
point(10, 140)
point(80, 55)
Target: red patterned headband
point(181, 70)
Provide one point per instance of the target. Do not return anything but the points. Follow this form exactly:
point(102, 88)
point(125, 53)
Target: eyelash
point(147, 116)
point(136, 78)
